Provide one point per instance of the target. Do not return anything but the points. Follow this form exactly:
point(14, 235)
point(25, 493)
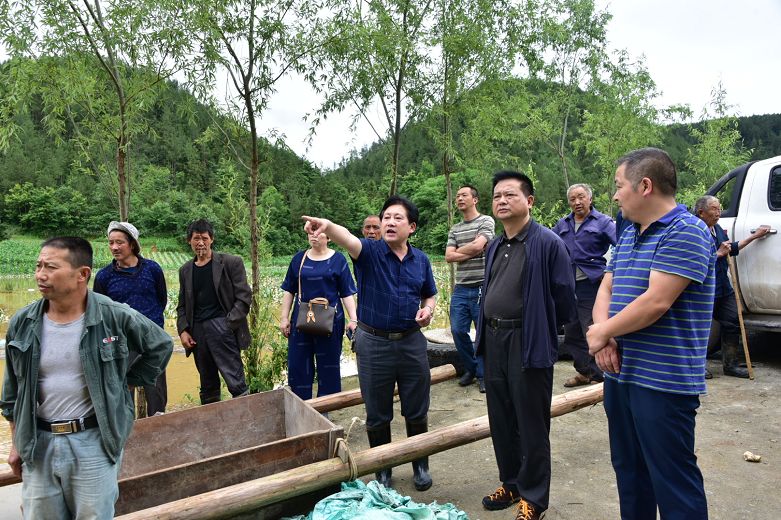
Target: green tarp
point(374, 501)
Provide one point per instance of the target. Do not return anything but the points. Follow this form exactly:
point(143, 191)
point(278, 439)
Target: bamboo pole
point(255, 494)
point(326, 403)
point(347, 398)
point(739, 304)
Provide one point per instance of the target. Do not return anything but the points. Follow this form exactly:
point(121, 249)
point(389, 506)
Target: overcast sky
point(689, 46)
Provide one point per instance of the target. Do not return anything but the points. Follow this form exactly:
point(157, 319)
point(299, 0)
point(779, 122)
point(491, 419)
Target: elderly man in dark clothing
point(396, 297)
point(588, 234)
point(725, 308)
point(529, 291)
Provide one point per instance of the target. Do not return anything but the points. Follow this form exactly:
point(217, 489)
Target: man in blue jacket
point(588, 234)
point(65, 390)
point(528, 292)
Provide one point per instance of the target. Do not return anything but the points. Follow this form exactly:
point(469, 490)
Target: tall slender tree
point(378, 62)
point(255, 43)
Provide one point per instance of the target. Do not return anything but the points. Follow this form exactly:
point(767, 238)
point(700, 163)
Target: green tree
point(117, 55)
point(619, 117)
point(718, 144)
point(256, 43)
point(376, 58)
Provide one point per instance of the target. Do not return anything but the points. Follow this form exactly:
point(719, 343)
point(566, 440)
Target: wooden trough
point(209, 447)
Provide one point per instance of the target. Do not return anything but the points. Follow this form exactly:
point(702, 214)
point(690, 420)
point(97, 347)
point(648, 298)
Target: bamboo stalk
point(255, 494)
point(347, 398)
point(739, 304)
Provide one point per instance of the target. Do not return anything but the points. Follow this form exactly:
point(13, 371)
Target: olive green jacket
point(111, 331)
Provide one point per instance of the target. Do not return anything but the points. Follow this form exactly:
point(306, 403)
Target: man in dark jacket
point(528, 292)
point(65, 390)
point(214, 299)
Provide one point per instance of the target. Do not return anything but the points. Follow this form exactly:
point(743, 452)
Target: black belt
point(72, 426)
point(387, 334)
point(502, 323)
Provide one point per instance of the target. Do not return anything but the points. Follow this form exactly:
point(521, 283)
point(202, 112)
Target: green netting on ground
point(374, 501)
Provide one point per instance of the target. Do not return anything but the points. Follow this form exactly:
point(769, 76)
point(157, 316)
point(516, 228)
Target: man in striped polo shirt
point(650, 336)
point(465, 246)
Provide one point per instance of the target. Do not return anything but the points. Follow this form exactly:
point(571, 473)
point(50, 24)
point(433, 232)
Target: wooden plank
point(255, 495)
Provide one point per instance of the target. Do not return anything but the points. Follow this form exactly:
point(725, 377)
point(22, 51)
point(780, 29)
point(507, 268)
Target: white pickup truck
point(750, 196)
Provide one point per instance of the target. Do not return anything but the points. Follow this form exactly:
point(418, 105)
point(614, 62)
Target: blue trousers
point(307, 355)
point(652, 450)
point(464, 310)
point(70, 476)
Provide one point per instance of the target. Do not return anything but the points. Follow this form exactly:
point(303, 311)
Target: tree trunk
point(253, 210)
point(124, 205)
point(560, 150)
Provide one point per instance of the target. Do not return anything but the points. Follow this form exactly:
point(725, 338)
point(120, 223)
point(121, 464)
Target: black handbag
point(316, 316)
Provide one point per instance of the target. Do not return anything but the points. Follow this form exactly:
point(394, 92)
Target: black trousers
point(384, 363)
point(217, 352)
point(519, 401)
point(575, 333)
point(156, 394)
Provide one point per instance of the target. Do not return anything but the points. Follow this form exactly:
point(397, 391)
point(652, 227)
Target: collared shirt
point(588, 243)
point(471, 272)
point(390, 290)
point(503, 296)
point(668, 355)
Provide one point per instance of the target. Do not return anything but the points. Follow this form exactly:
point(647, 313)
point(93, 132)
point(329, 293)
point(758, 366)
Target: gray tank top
point(62, 387)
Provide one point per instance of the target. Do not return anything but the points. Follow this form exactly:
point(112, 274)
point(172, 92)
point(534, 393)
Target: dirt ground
point(735, 416)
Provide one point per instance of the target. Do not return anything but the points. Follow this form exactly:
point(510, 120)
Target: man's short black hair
point(471, 188)
point(412, 209)
point(79, 250)
point(527, 186)
point(200, 226)
point(653, 163)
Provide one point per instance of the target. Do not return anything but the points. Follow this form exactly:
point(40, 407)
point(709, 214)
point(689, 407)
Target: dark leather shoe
point(527, 511)
point(481, 385)
point(735, 371)
point(502, 498)
point(466, 379)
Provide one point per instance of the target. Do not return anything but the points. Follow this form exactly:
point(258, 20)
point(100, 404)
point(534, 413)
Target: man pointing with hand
point(396, 297)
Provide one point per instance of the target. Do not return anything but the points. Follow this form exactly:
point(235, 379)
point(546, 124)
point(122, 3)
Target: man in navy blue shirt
point(396, 297)
point(588, 234)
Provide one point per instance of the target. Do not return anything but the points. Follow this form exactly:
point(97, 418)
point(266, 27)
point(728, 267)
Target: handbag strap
point(300, 267)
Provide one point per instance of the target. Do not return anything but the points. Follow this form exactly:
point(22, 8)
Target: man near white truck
point(725, 309)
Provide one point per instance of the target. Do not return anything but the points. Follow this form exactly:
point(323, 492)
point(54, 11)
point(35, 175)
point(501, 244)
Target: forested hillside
point(183, 170)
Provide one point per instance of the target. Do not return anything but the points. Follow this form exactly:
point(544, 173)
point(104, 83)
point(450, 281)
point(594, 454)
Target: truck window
point(774, 189)
point(725, 197)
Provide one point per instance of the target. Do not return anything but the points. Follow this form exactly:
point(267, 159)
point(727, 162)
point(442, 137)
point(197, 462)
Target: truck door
point(759, 264)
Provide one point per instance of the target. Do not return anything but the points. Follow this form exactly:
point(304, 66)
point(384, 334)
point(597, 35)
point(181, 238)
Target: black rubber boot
point(421, 478)
point(729, 356)
point(378, 437)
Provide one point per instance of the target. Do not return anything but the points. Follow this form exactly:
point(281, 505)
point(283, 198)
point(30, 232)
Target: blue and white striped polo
point(670, 354)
